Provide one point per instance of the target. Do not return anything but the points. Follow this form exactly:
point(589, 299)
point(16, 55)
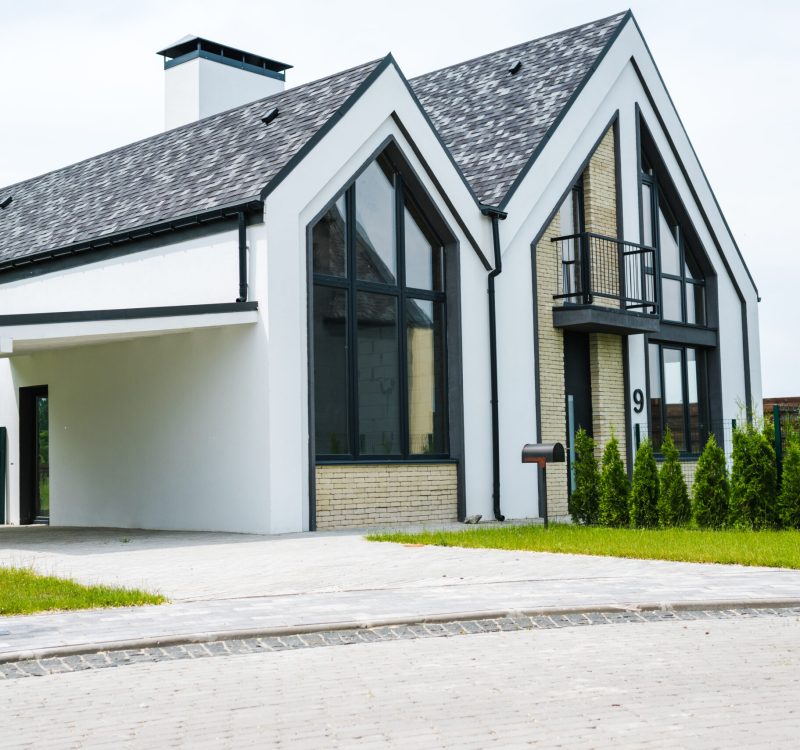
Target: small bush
point(711, 490)
point(789, 498)
point(674, 508)
point(644, 492)
point(754, 479)
point(585, 498)
point(614, 487)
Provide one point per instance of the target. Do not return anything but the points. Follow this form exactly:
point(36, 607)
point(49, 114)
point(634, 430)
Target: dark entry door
point(578, 377)
point(34, 458)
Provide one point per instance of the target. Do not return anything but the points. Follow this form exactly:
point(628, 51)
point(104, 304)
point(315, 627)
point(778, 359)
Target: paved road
point(225, 582)
point(700, 684)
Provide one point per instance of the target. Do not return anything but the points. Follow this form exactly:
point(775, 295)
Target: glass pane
point(378, 375)
point(673, 395)
point(427, 406)
point(376, 251)
point(654, 377)
point(670, 253)
point(647, 215)
point(671, 299)
point(328, 241)
point(695, 304)
point(424, 258)
point(697, 426)
point(42, 457)
point(568, 215)
point(330, 371)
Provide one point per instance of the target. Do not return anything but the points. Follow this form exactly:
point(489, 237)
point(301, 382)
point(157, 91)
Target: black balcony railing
point(593, 268)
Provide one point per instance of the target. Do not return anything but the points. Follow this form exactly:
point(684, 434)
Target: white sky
point(78, 77)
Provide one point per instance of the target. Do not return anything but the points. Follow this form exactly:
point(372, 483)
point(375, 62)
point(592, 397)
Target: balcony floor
point(603, 319)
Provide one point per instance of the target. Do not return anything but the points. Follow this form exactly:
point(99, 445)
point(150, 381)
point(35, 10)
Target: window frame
point(401, 293)
point(658, 205)
point(704, 407)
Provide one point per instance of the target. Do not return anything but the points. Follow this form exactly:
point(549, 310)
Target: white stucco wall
point(158, 432)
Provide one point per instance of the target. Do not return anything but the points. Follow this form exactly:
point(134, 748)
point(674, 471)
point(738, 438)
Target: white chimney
point(203, 78)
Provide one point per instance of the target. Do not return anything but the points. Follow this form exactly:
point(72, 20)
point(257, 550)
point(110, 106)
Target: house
point(353, 301)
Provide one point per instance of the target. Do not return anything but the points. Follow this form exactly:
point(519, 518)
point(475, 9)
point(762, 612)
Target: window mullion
point(402, 336)
point(352, 328)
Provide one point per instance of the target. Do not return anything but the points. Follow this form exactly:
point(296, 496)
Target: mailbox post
point(542, 454)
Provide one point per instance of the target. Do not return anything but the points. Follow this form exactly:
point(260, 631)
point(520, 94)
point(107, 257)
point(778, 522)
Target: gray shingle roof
point(493, 121)
point(220, 161)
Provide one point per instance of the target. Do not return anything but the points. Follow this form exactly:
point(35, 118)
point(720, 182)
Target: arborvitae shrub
point(711, 490)
point(585, 498)
point(644, 492)
point(754, 479)
point(789, 498)
point(614, 487)
point(674, 508)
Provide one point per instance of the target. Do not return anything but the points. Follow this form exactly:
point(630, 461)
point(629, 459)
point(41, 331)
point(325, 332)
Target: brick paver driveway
point(703, 684)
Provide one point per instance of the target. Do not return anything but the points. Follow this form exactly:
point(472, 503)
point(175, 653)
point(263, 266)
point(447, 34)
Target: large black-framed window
point(683, 298)
point(678, 385)
point(379, 324)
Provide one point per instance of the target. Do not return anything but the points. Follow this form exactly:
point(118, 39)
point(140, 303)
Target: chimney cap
point(193, 45)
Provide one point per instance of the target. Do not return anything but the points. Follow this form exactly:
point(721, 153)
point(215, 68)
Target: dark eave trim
point(691, 147)
point(440, 189)
point(51, 260)
point(564, 111)
point(130, 313)
point(288, 168)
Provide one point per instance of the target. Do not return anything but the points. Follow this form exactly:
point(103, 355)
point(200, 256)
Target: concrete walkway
point(223, 584)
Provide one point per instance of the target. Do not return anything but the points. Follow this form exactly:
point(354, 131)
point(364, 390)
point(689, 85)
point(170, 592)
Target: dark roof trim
point(230, 61)
point(564, 110)
point(288, 168)
point(440, 189)
point(694, 153)
point(135, 234)
point(436, 133)
point(126, 313)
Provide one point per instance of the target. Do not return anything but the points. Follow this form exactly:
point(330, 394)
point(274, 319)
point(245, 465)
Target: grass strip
point(23, 592)
point(772, 549)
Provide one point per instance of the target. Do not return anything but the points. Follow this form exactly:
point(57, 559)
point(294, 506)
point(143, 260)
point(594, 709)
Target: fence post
point(776, 418)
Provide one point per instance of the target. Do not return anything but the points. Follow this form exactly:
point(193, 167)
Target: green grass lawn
point(774, 549)
point(23, 592)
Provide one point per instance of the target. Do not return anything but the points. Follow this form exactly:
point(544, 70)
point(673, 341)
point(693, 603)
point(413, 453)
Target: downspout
point(496, 215)
point(242, 258)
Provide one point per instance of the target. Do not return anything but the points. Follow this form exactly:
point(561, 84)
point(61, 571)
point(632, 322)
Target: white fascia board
point(569, 145)
point(26, 339)
point(355, 137)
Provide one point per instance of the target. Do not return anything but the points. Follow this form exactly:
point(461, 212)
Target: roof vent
point(270, 116)
point(203, 78)
point(6, 202)
point(514, 69)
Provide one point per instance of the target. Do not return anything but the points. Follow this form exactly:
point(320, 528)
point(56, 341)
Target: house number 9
point(638, 400)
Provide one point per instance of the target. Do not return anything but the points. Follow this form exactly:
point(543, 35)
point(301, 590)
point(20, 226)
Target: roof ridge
point(6, 188)
point(620, 15)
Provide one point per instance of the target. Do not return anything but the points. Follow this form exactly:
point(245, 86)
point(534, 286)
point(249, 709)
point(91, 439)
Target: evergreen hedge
point(644, 492)
point(711, 490)
point(754, 479)
point(614, 487)
point(789, 498)
point(585, 498)
point(674, 508)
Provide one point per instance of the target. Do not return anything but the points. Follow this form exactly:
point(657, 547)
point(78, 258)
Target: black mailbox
point(542, 454)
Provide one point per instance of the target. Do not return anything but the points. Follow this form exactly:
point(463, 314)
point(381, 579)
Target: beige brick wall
point(551, 366)
point(353, 495)
point(600, 212)
point(608, 390)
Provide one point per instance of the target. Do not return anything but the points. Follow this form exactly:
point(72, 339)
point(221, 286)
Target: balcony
point(605, 284)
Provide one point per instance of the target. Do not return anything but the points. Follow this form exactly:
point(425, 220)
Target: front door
point(34, 458)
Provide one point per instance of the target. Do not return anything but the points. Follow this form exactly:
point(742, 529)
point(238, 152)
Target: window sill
point(349, 460)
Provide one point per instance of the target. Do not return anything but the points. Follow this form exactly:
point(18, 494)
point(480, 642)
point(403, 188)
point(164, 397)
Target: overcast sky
point(78, 77)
